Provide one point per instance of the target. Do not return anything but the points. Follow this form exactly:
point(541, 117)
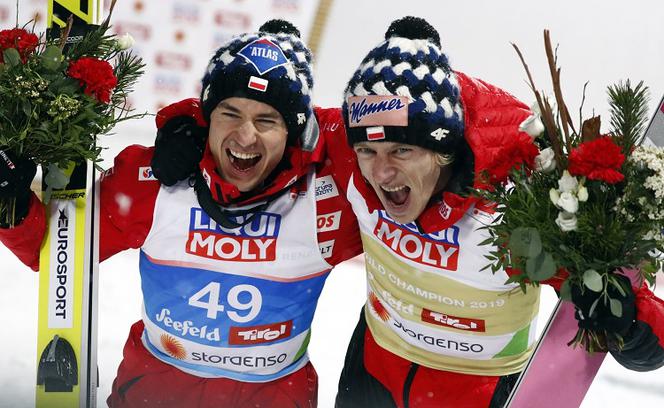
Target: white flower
point(545, 161)
point(568, 202)
point(125, 42)
point(582, 194)
point(532, 125)
point(567, 182)
point(554, 196)
point(535, 108)
point(552, 102)
point(566, 221)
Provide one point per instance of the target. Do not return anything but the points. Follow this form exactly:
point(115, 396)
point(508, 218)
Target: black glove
point(178, 149)
point(641, 350)
point(602, 319)
point(16, 174)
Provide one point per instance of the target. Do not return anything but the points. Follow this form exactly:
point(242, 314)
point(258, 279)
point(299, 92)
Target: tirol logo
point(377, 110)
point(255, 241)
point(264, 55)
point(440, 249)
point(461, 323)
point(260, 334)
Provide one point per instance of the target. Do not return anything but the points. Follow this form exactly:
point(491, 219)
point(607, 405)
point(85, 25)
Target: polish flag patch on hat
point(258, 84)
point(375, 133)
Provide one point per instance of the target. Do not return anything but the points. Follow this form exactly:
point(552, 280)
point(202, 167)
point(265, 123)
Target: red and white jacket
point(428, 300)
point(219, 302)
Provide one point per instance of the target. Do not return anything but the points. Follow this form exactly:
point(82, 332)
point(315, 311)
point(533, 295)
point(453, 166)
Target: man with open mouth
point(438, 329)
point(239, 222)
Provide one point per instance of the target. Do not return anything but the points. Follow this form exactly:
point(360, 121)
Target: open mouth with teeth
point(243, 161)
point(397, 195)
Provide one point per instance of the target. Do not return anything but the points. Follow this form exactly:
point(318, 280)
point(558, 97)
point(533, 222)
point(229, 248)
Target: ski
point(655, 130)
point(67, 373)
point(573, 367)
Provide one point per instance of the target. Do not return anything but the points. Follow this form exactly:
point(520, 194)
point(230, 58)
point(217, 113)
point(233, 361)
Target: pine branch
point(629, 110)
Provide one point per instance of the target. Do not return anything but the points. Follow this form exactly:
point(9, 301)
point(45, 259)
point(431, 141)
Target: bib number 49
point(212, 292)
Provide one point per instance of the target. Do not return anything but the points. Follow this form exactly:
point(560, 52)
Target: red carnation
point(599, 159)
point(506, 153)
point(96, 76)
point(23, 41)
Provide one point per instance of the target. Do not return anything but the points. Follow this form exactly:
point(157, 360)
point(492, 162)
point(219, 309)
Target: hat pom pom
point(413, 28)
point(278, 26)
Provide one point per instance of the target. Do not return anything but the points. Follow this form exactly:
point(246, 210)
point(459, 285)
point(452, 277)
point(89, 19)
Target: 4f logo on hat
point(264, 55)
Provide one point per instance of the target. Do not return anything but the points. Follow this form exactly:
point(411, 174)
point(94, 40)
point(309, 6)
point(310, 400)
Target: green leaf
point(12, 57)
point(525, 242)
point(620, 289)
point(566, 291)
point(64, 86)
point(592, 308)
point(540, 267)
point(27, 107)
point(616, 307)
point(52, 58)
point(593, 280)
point(487, 241)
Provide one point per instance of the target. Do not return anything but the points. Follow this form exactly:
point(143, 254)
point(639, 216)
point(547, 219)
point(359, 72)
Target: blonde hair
point(443, 159)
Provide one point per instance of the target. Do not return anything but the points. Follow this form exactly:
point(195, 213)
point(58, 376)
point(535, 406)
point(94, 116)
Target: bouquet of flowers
point(584, 207)
point(55, 100)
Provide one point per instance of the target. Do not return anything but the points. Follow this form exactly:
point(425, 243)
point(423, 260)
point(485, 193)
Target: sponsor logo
point(326, 188)
point(326, 248)
point(233, 20)
point(377, 110)
point(7, 160)
point(255, 241)
point(445, 210)
point(145, 174)
point(186, 13)
point(301, 118)
point(173, 60)
point(461, 323)
point(328, 222)
point(438, 341)
point(66, 195)
point(187, 328)
point(260, 334)
point(398, 304)
point(375, 133)
point(167, 83)
point(440, 249)
point(140, 32)
point(172, 347)
point(291, 6)
point(240, 361)
point(440, 134)
point(62, 267)
point(264, 55)
point(378, 307)
point(330, 126)
point(258, 84)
